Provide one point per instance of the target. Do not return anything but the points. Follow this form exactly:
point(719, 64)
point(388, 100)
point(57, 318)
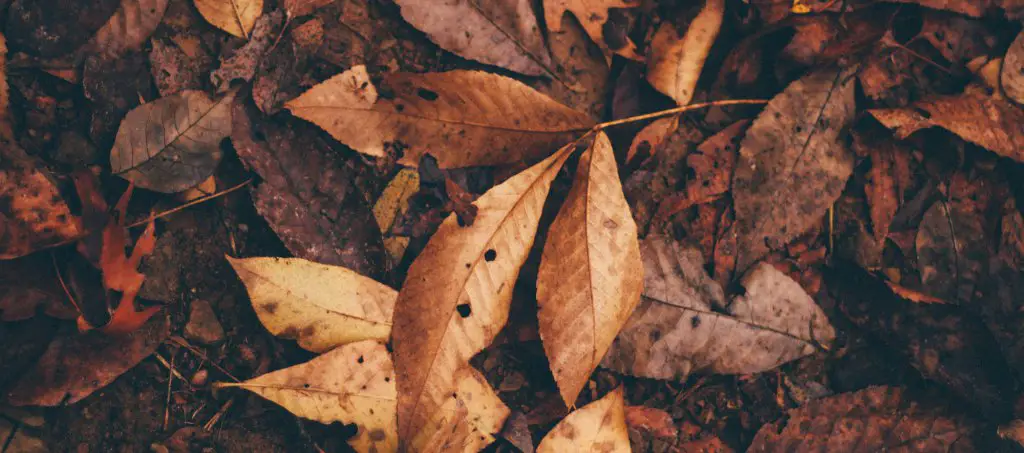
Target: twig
point(181, 342)
point(191, 203)
point(170, 366)
point(220, 413)
point(170, 383)
point(673, 111)
point(60, 278)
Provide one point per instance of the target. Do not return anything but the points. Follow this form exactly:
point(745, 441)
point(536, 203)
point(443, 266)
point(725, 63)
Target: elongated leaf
point(462, 118)
point(321, 306)
point(457, 293)
point(593, 15)
point(684, 325)
point(951, 251)
point(128, 28)
point(598, 426)
point(677, 60)
point(237, 17)
point(172, 143)
point(1011, 76)
point(502, 33)
point(792, 164)
point(590, 275)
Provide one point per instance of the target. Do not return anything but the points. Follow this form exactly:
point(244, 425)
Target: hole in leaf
point(426, 94)
point(464, 310)
point(490, 255)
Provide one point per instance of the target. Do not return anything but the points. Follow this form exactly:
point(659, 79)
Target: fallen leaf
point(590, 275)
point(583, 74)
point(243, 63)
point(172, 143)
point(676, 60)
point(307, 195)
point(128, 29)
point(656, 422)
point(973, 8)
point(597, 427)
point(792, 164)
point(593, 16)
point(991, 123)
point(35, 216)
point(951, 251)
point(881, 189)
point(457, 293)
point(321, 306)
point(517, 432)
point(874, 419)
point(683, 324)
point(462, 118)
point(77, 364)
point(237, 17)
point(299, 8)
point(1011, 76)
point(175, 70)
point(649, 139)
point(29, 286)
point(1013, 431)
point(392, 204)
point(467, 421)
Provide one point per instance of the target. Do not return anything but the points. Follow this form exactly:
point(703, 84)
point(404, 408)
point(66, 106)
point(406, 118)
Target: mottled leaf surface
point(237, 17)
point(597, 427)
point(1011, 76)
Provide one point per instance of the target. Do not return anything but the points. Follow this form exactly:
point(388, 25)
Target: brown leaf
point(792, 164)
point(128, 29)
point(646, 142)
point(882, 187)
point(457, 292)
point(33, 214)
point(299, 8)
point(590, 275)
point(593, 15)
point(655, 422)
point(992, 123)
point(462, 118)
point(597, 427)
point(582, 71)
point(243, 63)
point(1011, 77)
point(676, 61)
point(307, 195)
point(502, 33)
point(175, 70)
point(973, 8)
point(951, 251)
point(684, 325)
point(172, 143)
point(29, 286)
point(75, 365)
point(237, 17)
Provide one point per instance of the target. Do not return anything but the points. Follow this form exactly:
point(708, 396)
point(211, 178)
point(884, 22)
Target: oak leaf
point(1011, 76)
point(792, 164)
point(590, 275)
point(457, 293)
point(676, 61)
point(237, 17)
point(172, 143)
point(598, 426)
point(684, 325)
point(503, 33)
point(321, 306)
point(593, 16)
point(462, 118)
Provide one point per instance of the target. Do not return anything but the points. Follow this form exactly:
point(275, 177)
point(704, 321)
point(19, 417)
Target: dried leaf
point(75, 365)
point(683, 324)
point(29, 286)
point(593, 15)
point(237, 17)
point(582, 71)
point(462, 118)
point(1011, 77)
point(172, 143)
point(951, 251)
point(319, 305)
point(873, 419)
point(457, 293)
point(677, 61)
point(597, 427)
point(792, 164)
point(128, 29)
point(590, 275)
point(991, 123)
point(973, 8)
point(647, 141)
point(655, 422)
point(299, 8)
point(392, 204)
point(502, 33)
point(243, 63)
point(467, 421)
point(34, 216)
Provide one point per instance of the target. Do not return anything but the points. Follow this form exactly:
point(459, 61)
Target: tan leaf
point(792, 164)
point(391, 204)
point(172, 143)
point(237, 17)
point(994, 124)
point(457, 293)
point(650, 137)
point(321, 306)
point(353, 383)
point(466, 423)
point(684, 325)
point(1011, 77)
point(676, 60)
point(462, 118)
point(597, 427)
point(590, 275)
point(129, 27)
point(299, 8)
point(592, 15)
point(502, 33)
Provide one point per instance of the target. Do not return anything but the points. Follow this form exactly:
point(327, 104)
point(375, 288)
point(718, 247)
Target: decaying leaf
point(647, 141)
point(597, 427)
point(76, 364)
point(467, 421)
point(873, 419)
point(582, 71)
point(590, 275)
point(1011, 76)
point(684, 325)
point(237, 17)
point(792, 163)
point(951, 251)
point(392, 204)
point(457, 293)
point(129, 28)
point(502, 33)
point(462, 118)
point(299, 8)
point(593, 15)
point(676, 60)
point(243, 63)
point(172, 143)
point(29, 286)
point(991, 123)
point(34, 216)
point(321, 306)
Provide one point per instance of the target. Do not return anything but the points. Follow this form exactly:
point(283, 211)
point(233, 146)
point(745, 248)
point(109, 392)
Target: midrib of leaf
point(310, 389)
point(238, 18)
point(443, 121)
point(313, 302)
point(731, 318)
point(515, 41)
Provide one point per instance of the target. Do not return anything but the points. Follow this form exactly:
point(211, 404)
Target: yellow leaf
point(598, 426)
point(393, 202)
point(591, 275)
point(457, 293)
point(321, 306)
point(676, 61)
point(462, 118)
point(237, 17)
point(592, 14)
point(466, 423)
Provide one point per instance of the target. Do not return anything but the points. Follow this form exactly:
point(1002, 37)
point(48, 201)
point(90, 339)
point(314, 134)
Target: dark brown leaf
point(32, 213)
point(951, 251)
point(28, 286)
point(242, 64)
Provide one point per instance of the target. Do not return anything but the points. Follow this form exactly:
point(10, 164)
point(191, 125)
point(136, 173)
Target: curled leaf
point(676, 61)
point(598, 426)
point(237, 17)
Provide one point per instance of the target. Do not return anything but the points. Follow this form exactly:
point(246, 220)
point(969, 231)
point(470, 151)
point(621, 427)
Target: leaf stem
point(191, 203)
point(676, 110)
